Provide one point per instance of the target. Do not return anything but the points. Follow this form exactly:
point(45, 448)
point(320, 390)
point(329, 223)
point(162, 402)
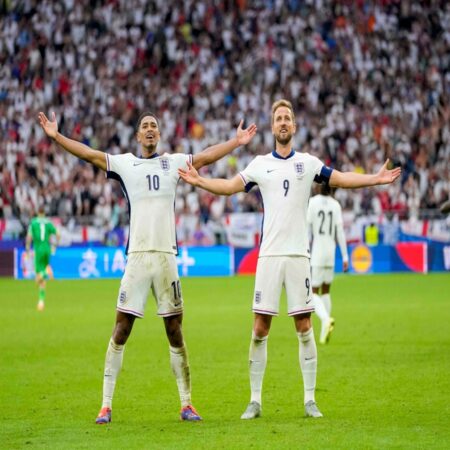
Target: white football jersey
point(285, 185)
point(149, 186)
point(325, 220)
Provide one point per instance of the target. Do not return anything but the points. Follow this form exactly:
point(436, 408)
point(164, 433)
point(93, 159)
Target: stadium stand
point(365, 81)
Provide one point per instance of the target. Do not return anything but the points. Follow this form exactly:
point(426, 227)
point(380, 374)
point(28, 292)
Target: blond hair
point(280, 103)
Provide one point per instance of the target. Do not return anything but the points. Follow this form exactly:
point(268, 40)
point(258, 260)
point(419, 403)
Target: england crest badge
point(299, 168)
point(165, 165)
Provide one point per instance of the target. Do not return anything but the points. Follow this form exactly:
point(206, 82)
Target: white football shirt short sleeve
point(285, 185)
point(149, 186)
point(250, 174)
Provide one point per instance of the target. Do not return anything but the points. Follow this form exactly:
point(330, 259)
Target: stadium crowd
point(368, 80)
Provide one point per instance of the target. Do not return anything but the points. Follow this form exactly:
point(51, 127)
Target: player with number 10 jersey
point(149, 186)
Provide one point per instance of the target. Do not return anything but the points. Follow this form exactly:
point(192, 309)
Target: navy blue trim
point(249, 186)
point(276, 155)
point(325, 175)
point(262, 222)
point(155, 155)
point(115, 176)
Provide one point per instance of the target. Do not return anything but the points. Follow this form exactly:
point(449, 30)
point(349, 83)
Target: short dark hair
point(325, 189)
point(145, 114)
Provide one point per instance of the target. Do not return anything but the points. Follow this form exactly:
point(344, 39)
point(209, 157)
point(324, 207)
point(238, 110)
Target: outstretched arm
point(216, 152)
point(219, 186)
point(351, 180)
point(95, 157)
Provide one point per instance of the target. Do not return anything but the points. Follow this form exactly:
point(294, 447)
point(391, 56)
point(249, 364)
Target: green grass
point(383, 381)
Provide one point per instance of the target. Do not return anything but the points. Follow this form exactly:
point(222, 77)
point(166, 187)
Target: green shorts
point(41, 261)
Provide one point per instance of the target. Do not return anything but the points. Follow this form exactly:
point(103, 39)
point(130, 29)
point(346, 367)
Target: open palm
point(50, 127)
point(244, 136)
point(386, 176)
point(190, 175)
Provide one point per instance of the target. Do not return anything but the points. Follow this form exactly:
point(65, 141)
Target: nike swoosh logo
point(272, 170)
point(309, 301)
point(138, 164)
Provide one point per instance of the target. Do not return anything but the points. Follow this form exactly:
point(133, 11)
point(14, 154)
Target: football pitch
point(383, 381)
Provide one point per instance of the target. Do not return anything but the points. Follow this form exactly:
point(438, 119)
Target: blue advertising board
point(109, 262)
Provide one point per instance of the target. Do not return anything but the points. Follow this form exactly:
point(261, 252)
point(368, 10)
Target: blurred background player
point(40, 232)
point(326, 225)
point(149, 183)
point(284, 178)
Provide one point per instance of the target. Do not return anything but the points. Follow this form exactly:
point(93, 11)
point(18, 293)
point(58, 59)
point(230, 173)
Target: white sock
point(308, 362)
point(320, 309)
point(113, 364)
point(180, 368)
point(326, 299)
point(257, 366)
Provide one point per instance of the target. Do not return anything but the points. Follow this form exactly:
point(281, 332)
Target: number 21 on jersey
point(322, 227)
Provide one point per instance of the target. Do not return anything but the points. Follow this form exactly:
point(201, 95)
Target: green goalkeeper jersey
point(40, 230)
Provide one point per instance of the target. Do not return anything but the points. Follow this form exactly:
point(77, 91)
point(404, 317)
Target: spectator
point(371, 234)
point(369, 80)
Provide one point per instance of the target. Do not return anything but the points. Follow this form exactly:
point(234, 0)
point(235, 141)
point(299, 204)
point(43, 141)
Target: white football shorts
point(274, 272)
point(155, 270)
point(321, 274)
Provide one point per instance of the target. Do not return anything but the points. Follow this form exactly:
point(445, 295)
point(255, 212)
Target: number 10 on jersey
point(153, 182)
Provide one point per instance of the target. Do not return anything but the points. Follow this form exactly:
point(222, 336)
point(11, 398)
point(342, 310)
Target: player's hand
point(245, 136)
point(386, 176)
point(345, 266)
point(189, 175)
point(50, 127)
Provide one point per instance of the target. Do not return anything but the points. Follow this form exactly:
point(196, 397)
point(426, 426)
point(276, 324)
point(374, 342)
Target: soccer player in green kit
point(39, 232)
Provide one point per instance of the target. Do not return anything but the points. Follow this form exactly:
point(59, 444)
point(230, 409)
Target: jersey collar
point(155, 155)
point(276, 155)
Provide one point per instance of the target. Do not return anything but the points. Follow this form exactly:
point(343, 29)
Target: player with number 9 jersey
point(284, 178)
point(285, 184)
